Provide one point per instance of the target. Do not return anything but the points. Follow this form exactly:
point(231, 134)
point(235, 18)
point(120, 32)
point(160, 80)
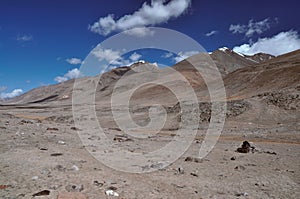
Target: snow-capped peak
point(223, 49)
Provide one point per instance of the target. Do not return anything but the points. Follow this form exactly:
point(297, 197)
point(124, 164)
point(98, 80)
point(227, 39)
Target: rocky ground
point(43, 157)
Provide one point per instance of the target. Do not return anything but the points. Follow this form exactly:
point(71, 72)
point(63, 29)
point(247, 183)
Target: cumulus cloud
point(211, 33)
point(114, 58)
point(140, 32)
point(281, 43)
point(252, 27)
point(135, 57)
point(24, 37)
point(159, 11)
point(74, 61)
point(71, 74)
point(108, 55)
point(14, 93)
point(167, 55)
point(183, 55)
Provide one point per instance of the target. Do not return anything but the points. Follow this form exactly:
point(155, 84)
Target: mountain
point(243, 76)
point(228, 61)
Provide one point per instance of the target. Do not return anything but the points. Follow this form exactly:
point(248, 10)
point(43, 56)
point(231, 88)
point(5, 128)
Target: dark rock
point(192, 159)
point(271, 152)
point(74, 128)
point(52, 129)
point(245, 148)
point(122, 138)
point(56, 154)
point(26, 122)
point(60, 168)
point(42, 193)
point(240, 167)
point(112, 188)
point(99, 184)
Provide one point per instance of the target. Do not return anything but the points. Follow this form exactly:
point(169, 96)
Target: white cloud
point(159, 11)
point(252, 27)
point(24, 37)
point(74, 61)
point(211, 33)
point(107, 55)
point(140, 32)
point(14, 93)
point(60, 79)
point(135, 57)
point(167, 55)
point(281, 43)
point(71, 74)
point(2, 88)
point(183, 55)
point(237, 28)
point(114, 57)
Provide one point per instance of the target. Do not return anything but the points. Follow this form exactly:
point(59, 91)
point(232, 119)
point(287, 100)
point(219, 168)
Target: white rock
point(75, 168)
point(111, 193)
point(61, 142)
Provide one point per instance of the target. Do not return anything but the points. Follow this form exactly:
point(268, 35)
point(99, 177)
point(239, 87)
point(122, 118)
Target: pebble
point(61, 142)
point(75, 168)
point(74, 188)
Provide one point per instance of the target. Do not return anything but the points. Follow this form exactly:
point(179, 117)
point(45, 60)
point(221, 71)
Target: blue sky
point(44, 42)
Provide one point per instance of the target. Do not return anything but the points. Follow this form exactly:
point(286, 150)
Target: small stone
point(35, 178)
point(233, 158)
point(59, 168)
point(188, 159)
point(52, 129)
point(180, 170)
point(241, 194)
point(74, 128)
point(75, 168)
point(240, 167)
point(56, 154)
point(74, 188)
point(271, 152)
point(99, 184)
point(61, 142)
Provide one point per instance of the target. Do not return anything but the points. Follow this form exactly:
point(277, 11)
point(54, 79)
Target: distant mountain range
point(244, 76)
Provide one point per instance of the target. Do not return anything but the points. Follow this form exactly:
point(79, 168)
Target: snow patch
point(240, 54)
point(252, 60)
point(223, 49)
